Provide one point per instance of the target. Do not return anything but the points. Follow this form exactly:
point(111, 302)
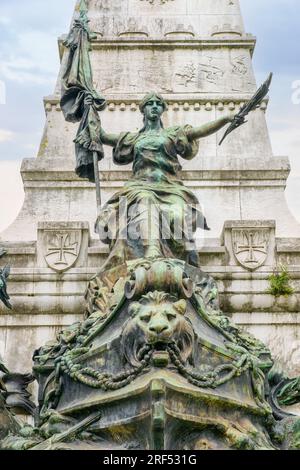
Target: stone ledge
point(19, 250)
point(208, 180)
point(97, 250)
point(289, 245)
point(62, 170)
point(24, 264)
point(238, 273)
point(27, 321)
point(146, 42)
point(45, 287)
point(253, 223)
point(266, 318)
point(63, 225)
point(193, 98)
point(219, 272)
point(60, 321)
point(52, 305)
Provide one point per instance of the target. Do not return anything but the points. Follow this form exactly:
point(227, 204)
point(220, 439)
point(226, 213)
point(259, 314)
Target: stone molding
point(176, 103)
point(62, 171)
point(246, 41)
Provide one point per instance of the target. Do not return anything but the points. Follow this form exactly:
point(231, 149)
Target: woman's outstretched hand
point(234, 116)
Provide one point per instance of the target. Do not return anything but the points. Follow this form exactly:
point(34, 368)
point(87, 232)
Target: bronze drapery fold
point(77, 84)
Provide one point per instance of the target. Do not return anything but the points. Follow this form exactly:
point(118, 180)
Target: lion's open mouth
point(160, 345)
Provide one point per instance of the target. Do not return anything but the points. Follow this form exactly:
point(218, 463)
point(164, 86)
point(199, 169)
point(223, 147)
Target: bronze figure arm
point(118, 157)
point(209, 128)
point(109, 139)
point(106, 139)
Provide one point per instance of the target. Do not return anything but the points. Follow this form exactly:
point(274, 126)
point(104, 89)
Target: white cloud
point(6, 136)
point(11, 192)
point(41, 48)
point(34, 60)
point(292, 195)
point(2, 92)
point(4, 20)
point(286, 141)
point(10, 71)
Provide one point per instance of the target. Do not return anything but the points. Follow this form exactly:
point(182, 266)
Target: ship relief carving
point(187, 75)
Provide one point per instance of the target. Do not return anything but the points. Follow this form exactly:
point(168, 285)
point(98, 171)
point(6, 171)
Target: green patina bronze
point(13, 397)
point(4, 274)
point(155, 192)
point(77, 84)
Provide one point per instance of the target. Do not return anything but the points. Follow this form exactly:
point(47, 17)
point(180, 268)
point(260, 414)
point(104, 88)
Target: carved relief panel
point(157, 7)
point(157, 2)
point(213, 7)
point(168, 17)
point(108, 7)
point(217, 71)
point(167, 70)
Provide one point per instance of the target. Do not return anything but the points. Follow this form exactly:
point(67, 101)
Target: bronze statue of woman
point(154, 215)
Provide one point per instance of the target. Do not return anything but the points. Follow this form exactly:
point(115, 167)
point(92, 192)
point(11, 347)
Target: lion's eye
point(146, 318)
point(171, 316)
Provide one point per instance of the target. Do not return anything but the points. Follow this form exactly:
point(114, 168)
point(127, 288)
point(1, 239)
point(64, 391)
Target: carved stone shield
point(250, 246)
point(62, 248)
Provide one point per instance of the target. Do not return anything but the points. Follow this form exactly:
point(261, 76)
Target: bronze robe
point(154, 196)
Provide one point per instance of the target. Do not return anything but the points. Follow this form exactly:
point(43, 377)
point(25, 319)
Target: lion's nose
point(158, 328)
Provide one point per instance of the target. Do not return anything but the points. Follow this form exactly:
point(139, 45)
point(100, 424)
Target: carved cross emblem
point(62, 249)
point(250, 247)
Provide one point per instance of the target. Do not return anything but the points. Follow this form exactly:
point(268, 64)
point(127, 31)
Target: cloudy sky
point(29, 67)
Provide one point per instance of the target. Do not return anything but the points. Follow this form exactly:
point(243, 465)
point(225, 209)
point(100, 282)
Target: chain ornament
point(89, 376)
point(102, 380)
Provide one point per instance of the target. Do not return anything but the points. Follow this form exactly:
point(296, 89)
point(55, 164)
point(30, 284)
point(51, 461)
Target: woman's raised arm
point(209, 128)
point(109, 139)
point(106, 139)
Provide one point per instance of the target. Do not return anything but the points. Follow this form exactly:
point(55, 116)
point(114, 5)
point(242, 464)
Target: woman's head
point(152, 107)
point(153, 101)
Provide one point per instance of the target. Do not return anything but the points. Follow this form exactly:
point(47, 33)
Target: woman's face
point(153, 109)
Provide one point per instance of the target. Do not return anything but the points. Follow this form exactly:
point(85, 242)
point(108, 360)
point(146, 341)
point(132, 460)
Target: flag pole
point(77, 86)
point(97, 182)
